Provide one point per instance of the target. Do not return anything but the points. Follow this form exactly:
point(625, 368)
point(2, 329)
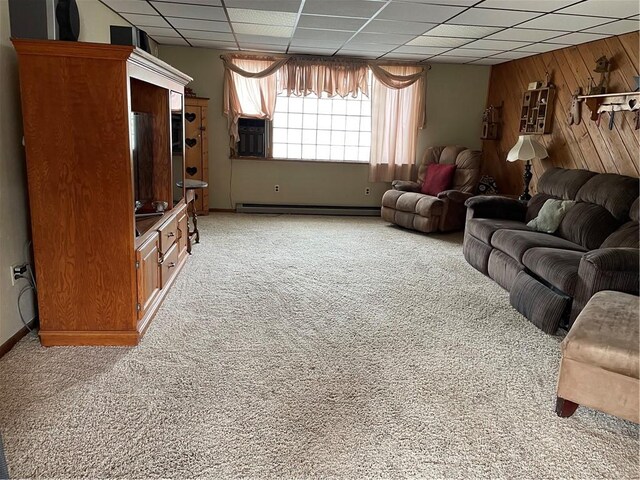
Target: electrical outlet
point(276, 188)
point(367, 191)
point(16, 271)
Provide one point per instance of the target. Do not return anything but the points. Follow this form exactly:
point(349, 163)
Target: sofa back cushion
point(563, 183)
point(614, 192)
point(628, 235)
point(467, 164)
point(634, 211)
point(588, 225)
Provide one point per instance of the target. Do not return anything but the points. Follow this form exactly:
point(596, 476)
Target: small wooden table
point(191, 186)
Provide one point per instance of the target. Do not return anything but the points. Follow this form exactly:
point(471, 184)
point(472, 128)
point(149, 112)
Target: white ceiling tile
point(458, 3)
point(496, 44)
point(203, 35)
point(405, 56)
point(427, 41)
point(488, 61)
point(421, 50)
point(369, 47)
point(182, 10)
point(322, 35)
point(524, 35)
point(312, 51)
point(146, 20)
point(262, 17)
point(391, 26)
point(267, 30)
point(576, 38)
point(214, 27)
point(534, 6)
point(514, 54)
point(194, 24)
point(170, 40)
point(273, 5)
point(309, 43)
point(383, 38)
point(542, 47)
point(261, 47)
point(450, 59)
point(608, 8)
point(347, 24)
point(616, 28)
point(161, 31)
point(358, 53)
point(345, 8)
point(212, 44)
point(472, 52)
point(210, 3)
point(130, 6)
point(462, 31)
point(555, 21)
point(262, 39)
point(492, 18)
point(413, 11)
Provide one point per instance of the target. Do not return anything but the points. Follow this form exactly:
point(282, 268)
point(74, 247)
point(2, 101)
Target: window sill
point(298, 160)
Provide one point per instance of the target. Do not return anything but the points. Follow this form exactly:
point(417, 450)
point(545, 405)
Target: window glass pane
point(352, 138)
point(366, 108)
point(294, 135)
point(353, 107)
point(337, 153)
point(337, 137)
point(339, 106)
point(282, 104)
point(365, 124)
point(324, 106)
point(365, 139)
point(310, 104)
point(324, 122)
point(295, 104)
point(295, 120)
point(279, 150)
point(323, 152)
point(279, 135)
point(351, 153)
point(324, 137)
point(294, 151)
point(308, 137)
point(309, 121)
point(338, 122)
point(309, 152)
point(363, 154)
point(280, 120)
point(353, 123)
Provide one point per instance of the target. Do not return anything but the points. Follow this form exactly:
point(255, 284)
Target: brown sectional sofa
point(551, 277)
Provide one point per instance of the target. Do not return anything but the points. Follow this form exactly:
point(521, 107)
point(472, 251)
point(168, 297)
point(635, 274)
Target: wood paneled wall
point(577, 146)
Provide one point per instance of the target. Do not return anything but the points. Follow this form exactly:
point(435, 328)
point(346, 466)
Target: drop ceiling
point(484, 32)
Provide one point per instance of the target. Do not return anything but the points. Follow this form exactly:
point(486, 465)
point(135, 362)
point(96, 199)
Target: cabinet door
point(149, 281)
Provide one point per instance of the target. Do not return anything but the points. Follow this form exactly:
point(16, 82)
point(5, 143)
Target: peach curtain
point(303, 76)
point(397, 112)
point(250, 89)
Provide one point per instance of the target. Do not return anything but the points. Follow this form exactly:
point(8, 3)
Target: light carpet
point(296, 347)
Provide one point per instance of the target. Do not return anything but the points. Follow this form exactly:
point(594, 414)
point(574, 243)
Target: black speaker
point(33, 19)
point(68, 20)
point(130, 36)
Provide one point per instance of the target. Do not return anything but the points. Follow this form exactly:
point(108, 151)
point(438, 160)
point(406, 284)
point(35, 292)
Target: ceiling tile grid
point(476, 32)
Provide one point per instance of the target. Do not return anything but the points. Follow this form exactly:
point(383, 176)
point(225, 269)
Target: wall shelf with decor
point(611, 102)
point(536, 112)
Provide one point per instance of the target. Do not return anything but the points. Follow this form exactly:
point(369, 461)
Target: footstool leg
point(565, 408)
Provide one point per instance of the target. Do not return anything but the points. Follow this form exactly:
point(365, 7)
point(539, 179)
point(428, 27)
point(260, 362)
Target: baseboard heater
point(308, 209)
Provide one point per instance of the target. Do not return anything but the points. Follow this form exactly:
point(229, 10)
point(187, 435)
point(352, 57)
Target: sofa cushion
point(562, 182)
point(614, 192)
point(557, 266)
point(627, 235)
point(429, 206)
point(418, 203)
point(390, 198)
point(438, 178)
point(634, 211)
point(606, 334)
point(516, 242)
point(587, 224)
point(484, 228)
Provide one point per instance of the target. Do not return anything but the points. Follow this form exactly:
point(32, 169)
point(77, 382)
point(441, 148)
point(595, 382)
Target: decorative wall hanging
point(491, 120)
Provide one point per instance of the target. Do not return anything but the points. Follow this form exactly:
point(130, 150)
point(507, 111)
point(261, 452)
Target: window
point(312, 128)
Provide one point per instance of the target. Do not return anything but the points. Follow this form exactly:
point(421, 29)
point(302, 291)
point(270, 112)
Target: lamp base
point(525, 197)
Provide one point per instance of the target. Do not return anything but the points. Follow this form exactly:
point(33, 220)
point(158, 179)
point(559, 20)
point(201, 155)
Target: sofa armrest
point(606, 269)
point(455, 196)
point(492, 206)
point(405, 186)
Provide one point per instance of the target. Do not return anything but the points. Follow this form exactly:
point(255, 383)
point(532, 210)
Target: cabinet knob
point(171, 234)
point(171, 265)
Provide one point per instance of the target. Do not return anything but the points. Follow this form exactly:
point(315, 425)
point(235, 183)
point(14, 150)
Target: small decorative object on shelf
point(611, 103)
point(188, 92)
point(487, 185)
point(491, 119)
point(537, 104)
point(574, 111)
point(603, 67)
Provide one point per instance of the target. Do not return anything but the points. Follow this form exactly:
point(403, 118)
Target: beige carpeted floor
point(300, 347)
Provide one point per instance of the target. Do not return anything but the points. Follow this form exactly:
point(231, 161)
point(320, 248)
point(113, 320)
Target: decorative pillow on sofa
point(439, 177)
point(550, 215)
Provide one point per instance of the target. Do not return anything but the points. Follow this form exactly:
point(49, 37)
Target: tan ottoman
point(601, 358)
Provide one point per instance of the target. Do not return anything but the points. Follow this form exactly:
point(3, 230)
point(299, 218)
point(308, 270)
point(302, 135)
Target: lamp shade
point(526, 149)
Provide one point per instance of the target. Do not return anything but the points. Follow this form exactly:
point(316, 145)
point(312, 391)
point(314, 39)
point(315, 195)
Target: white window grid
point(326, 129)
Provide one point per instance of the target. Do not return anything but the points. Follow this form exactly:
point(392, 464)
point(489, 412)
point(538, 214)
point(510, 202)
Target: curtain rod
point(427, 66)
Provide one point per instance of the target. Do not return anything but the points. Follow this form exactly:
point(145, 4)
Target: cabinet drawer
point(168, 233)
point(169, 265)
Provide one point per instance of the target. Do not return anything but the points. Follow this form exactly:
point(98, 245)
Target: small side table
point(191, 186)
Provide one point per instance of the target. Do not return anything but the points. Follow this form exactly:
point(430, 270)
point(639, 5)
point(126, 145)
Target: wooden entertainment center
point(104, 140)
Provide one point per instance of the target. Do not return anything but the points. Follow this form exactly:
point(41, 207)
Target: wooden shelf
point(611, 102)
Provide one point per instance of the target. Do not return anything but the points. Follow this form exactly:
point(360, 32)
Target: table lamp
point(526, 149)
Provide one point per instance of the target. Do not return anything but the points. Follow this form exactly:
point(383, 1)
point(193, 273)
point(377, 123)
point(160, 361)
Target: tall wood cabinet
point(197, 148)
point(103, 129)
